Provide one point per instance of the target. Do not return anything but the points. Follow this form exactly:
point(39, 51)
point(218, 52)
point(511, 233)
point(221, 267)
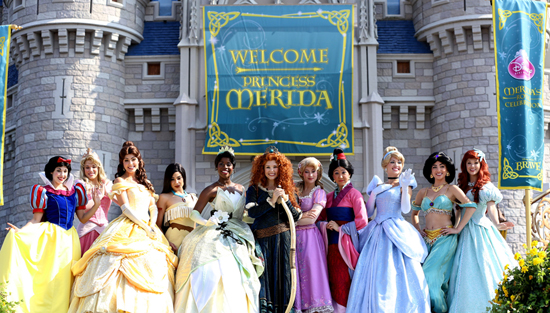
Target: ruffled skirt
point(218, 272)
point(36, 261)
point(388, 276)
point(125, 271)
point(479, 262)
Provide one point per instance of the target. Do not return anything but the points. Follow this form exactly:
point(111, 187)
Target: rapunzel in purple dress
point(312, 290)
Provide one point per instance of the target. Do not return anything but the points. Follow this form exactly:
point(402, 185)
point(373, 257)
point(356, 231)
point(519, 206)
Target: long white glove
point(197, 218)
point(405, 180)
point(130, 214)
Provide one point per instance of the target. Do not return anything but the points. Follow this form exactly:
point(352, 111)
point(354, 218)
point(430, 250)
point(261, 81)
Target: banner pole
point(527, 202)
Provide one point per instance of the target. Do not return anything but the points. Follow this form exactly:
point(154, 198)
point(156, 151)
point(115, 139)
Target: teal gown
point(441, 250)
point(480, 258)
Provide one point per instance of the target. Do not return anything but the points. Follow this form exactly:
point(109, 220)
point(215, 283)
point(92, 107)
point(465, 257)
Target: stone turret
point(464, 115)
point(70, 96)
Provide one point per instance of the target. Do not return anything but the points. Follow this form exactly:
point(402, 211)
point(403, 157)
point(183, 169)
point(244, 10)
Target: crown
point(271, 149)
point(226, 149)
point(91, 153)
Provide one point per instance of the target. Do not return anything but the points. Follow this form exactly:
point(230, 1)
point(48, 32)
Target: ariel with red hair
point(270, 184)
point(483, 176)
point(481, 253)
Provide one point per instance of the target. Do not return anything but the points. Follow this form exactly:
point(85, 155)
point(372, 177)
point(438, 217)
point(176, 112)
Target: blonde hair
point(317, 166)
point(394, 153)
point(101, 176)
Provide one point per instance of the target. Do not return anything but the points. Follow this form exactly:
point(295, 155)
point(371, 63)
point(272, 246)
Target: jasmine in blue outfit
point(388, 276)
point(482, 253)
point(439, 234)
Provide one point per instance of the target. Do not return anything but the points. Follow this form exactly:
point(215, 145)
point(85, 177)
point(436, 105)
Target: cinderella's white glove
point(405, 180)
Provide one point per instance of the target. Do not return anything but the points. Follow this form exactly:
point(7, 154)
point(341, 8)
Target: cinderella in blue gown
point(389, 276)
point(480, 258)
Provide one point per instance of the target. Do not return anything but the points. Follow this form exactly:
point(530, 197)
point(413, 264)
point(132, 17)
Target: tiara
point(271, 149)
point(91, 153)
point(226, 149)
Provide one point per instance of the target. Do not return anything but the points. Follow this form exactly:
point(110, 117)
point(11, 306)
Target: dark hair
point(141, 176)
point(222, 155)
point(169, 172)
point(335, 163)
point(53, 163)
point(443, 158)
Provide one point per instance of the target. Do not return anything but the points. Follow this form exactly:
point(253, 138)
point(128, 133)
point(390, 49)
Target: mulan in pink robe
point(347, 208)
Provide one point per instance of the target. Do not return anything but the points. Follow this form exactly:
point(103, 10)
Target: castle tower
point(69, 56)
point(464, 114)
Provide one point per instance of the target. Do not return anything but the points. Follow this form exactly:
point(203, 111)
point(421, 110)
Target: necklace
point(436, 189)
point(181, 196)
point(471, 184)
point(393, 177)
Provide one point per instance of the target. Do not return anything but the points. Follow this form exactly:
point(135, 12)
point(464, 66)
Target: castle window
point(153, 70)
point(403, 67)
point(393, 7)
point(116, 3)
point(18, 5)
point(9, 101)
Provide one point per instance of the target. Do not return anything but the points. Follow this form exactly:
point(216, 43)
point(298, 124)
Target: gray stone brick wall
point(139, 88)
point(426, 12)
point(156, 147)
point(395, 86)
point(130, 14)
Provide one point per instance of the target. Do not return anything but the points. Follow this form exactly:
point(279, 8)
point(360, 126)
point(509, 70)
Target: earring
point(448, 174)
point(431, 176)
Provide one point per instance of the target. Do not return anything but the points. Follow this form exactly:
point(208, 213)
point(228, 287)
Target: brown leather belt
point(270, 231)
point(181, 227)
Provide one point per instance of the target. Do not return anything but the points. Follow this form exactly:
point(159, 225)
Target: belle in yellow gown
point(126, 270)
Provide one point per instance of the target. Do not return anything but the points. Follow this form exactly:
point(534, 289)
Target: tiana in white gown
point(218, 269)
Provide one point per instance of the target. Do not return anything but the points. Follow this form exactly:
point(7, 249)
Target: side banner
point(279, 75)
point(519, 30)
point(5, 38)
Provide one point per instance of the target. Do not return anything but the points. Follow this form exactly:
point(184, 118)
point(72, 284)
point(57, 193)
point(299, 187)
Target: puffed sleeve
point(81, 197)
point(320, 197)
point(38, 198)
point(119, 188)
point(489, 193)
point(373, 184)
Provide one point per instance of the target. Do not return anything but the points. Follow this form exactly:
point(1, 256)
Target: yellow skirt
point(36, 261)
point(125, 271)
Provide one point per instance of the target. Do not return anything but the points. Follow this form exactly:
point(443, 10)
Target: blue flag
point(279, 75)
point(5, 38)
point(519, 30)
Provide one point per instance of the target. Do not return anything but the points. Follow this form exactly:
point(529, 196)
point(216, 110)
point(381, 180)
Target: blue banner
point(279, 75)
point(5, 38)
point(519, 30)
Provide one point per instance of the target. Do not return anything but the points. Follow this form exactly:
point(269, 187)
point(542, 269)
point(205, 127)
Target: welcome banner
point(279, 75)
point(519, 30)
point(5, 38)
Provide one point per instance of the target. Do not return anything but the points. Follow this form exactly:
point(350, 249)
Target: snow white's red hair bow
point(62, 160)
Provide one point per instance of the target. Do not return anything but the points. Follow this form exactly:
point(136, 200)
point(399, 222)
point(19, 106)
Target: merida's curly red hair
point(483, 177)
point(284, 179)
